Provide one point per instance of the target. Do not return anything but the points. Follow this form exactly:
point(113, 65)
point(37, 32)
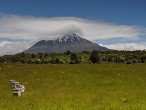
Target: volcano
point(71, 42)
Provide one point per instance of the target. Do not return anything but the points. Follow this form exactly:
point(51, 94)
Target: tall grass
point(75, 87)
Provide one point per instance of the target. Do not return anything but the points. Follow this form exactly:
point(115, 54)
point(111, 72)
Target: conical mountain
point(71, 42)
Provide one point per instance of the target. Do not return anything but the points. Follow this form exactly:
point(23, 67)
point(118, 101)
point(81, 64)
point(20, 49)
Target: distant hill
point(71, 42)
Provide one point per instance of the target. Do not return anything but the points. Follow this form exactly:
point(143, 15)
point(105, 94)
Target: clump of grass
point(125, 100)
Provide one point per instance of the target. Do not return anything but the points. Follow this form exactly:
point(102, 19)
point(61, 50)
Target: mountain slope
point(71, 42)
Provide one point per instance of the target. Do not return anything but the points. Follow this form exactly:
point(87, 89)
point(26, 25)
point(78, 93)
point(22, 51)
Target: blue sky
point(131, 12)
point(125, 15)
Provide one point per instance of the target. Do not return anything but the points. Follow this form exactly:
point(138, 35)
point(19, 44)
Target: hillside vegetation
point(74, 87)
point(125, 57)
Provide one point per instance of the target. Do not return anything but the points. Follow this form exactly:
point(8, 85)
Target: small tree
point(143, 58)
point(74, 58)
point(95, 57)
point(40, 56)
point(121, 59)
point(33, 55)
point(2, 59)
point(57, 60)
point(129, 62)
point(68, 52)
point(46, 55)
point(135, 60)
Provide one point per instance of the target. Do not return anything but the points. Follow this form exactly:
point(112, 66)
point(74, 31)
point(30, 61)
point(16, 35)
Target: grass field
point(75, 87)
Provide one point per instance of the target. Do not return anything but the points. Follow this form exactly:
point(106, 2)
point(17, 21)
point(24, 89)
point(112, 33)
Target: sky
point(116, 24)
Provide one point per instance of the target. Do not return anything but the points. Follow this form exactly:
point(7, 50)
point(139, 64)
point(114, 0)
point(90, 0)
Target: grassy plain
point(75, 87)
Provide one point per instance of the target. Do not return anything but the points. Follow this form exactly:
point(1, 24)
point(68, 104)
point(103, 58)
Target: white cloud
point(127, 46)
point(10, 48)
point(4, 43)
point(35, 28)
point(28, 27)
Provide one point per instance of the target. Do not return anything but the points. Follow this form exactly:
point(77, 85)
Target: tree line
point(112, 56)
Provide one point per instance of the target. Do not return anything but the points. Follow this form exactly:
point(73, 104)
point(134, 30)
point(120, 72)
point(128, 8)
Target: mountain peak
point(68, 37)
point(63, 43)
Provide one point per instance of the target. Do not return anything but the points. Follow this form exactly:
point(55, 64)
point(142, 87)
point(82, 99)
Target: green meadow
point(74, 87)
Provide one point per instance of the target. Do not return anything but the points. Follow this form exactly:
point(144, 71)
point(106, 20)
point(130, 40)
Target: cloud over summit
point(24, 31)
point(29, 27)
